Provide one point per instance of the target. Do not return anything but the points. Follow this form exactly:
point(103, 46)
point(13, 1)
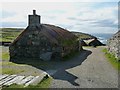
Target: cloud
point(6, 14)
point(14, 24)
point(61, 1)
point(78, 16)
point(105, 23)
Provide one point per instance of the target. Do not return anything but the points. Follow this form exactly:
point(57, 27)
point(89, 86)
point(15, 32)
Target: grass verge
point(5, 56)
point(111, 58)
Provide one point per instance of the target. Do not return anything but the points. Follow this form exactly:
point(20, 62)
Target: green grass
point(45, 83)
point(7, 63)
point(11, 71)
point(9, 34)
point(5, 56)
point(111, 58)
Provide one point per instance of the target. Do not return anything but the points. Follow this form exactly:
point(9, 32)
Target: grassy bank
point(5, 56)
point(111, 58)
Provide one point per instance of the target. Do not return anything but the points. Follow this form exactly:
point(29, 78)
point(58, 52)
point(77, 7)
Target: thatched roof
point(54, 33)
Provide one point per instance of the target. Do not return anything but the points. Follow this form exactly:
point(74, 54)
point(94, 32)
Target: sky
point(81, 16)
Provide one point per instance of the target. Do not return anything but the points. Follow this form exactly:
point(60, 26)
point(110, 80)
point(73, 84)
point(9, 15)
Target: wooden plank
point(32, 81)
point(51, 72)
point(27, 79)
point(3, 76)
point(7, 79)
point(14, 80)
point(20, 78)
point(37, 79)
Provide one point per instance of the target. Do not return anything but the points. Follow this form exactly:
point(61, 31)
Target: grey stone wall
point(114, 45)
point(34, 44)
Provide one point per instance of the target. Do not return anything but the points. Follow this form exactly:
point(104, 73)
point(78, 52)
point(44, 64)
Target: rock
point(46, 56)
point(114, 45)
point(51, 72)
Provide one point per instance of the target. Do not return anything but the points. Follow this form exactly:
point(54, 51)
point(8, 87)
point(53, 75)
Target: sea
point(103, 37)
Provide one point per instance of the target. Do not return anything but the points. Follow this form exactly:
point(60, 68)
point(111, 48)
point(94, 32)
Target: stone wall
point(34, 44)
point(114, 45)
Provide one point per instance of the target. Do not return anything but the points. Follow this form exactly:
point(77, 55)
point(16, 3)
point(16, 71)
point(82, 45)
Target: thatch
point(54, 33)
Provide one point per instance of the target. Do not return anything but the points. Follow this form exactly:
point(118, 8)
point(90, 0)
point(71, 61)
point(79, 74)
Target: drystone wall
point(114, 45)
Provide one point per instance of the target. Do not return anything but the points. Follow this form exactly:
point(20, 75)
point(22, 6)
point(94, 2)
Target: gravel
point(93, 72)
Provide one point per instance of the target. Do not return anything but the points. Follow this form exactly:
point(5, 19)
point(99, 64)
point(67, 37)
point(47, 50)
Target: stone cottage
point(43, 41)
point(114, 44)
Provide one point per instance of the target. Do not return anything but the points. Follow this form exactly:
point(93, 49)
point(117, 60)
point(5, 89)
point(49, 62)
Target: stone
point(51, 72)
point(46, 56)
point(114, 44)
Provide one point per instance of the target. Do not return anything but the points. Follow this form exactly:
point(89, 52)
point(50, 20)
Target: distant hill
point(83, 36)
point(9, 34)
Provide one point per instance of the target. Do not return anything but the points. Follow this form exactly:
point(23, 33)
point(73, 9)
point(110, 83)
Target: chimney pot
point(34, 12)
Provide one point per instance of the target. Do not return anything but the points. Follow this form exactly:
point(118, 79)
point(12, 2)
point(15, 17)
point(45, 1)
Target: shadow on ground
point(57, 69)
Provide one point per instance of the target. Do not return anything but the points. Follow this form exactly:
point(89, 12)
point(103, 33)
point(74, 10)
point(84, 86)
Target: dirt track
point(93, 72)
point(90, 69)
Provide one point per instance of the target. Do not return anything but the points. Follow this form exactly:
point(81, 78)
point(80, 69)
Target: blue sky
point(88, 17)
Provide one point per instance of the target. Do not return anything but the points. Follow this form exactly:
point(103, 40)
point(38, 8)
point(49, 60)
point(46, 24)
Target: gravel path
point(89, 70)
